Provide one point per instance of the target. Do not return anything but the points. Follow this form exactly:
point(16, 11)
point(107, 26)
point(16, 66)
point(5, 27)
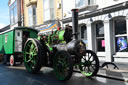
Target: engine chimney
point(75, 23)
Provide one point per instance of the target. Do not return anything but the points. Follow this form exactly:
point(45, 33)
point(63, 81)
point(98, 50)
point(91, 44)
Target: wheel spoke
point(34, 50)
point(34, 54)
point(65, 65)
point(31, 47)
point(89, 57)
point(93, 67)
point(30, 59)
point(34, 62)
point(31, 65)
point(89, 69)
point(84, 59)
point(85, 68)
point(92, 60)
point(27, 52)
point(28, 46)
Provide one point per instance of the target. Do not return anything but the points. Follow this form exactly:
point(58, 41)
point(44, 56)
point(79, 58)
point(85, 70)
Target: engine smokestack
point(75, 23)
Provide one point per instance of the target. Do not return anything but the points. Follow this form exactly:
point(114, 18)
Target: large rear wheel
point(33, 55)
point(63, 65)
point(89, 65)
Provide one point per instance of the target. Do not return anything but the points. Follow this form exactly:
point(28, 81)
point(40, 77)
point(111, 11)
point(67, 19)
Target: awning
point(51, 27)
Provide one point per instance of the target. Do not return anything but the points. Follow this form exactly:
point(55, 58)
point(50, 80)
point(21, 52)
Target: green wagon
point(12, 42)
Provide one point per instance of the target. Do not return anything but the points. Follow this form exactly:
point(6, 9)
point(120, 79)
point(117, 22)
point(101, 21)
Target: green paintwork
point(6, 42)
point(1, 41)
point(29, 56)
point(86, 64)
point(9, 45)
point(86, 74)
point(55, 38)
point(61, 66)
point(7, 39)
point(33, 34)
point(61, 33)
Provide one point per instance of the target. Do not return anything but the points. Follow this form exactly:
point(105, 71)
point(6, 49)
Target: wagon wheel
point(89, 65)
point(33, 56)
point(12, 60)
point(63, 65)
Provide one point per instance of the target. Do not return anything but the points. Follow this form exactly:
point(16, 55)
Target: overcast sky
point(4, 13)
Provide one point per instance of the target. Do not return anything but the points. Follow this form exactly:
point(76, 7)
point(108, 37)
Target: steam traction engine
point(61, 53)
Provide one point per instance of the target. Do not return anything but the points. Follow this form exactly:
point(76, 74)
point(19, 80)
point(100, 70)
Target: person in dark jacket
point(68, 33)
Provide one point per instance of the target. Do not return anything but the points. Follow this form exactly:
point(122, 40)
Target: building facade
point(42, 14)
point(16, 13)
point(103, 26)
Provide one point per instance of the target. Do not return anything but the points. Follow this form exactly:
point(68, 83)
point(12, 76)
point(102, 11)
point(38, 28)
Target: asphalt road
point(18, 76)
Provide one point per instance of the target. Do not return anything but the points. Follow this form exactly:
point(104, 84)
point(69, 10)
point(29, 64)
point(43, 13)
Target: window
point(13, 13)
point(32, 15)
point(84, 34)
point(48, 8)
point(100, 42)
point(121, 44)
point(81, 3)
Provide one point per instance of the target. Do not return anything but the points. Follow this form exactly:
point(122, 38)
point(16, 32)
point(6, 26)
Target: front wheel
point(63, 65)
point(89, 65)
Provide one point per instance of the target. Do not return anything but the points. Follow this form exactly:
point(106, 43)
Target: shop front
point(105, 31)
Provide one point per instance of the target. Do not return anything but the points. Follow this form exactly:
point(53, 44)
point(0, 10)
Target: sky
point(4, 13)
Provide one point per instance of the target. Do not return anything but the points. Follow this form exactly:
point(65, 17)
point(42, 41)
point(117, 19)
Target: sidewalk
point(117, 74)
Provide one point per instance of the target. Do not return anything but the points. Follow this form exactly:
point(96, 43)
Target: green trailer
point(12, 43)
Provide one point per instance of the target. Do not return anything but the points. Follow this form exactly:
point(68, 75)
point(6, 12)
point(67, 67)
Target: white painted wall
point(106, 3)
point(70, 4)
point(67, 6)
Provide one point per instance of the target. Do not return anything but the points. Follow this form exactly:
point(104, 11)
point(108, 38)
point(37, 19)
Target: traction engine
point(61, 52)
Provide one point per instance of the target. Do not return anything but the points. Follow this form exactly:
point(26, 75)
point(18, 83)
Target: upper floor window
point(48, 8)
point(32, 15)
point(13, 13)
point(81, 3)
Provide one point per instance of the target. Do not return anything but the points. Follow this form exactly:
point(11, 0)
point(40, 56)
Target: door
point(18, 40)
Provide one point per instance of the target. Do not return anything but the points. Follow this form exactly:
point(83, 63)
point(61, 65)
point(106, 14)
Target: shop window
point(14, 13)
point(48, 10)
point(32, 15)
point(81, 3)
point(121, 44)
point(100, 42)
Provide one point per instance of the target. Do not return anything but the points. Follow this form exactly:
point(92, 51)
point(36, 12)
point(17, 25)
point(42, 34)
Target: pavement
point(120, 74)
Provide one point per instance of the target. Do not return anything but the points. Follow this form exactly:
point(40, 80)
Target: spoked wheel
point(12, 60)
point(89, 65)
point(63, 65)
point(33, 54)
